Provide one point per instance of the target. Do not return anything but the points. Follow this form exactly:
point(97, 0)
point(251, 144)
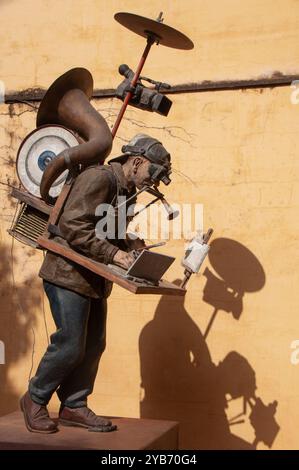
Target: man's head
point(146, 161)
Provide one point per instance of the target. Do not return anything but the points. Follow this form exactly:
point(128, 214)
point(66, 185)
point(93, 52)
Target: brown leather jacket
point(95, 185)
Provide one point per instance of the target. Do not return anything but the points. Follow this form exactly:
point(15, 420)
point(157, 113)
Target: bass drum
point(37, 150)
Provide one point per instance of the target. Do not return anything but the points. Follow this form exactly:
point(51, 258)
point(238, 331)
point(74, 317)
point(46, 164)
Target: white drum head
point(37, 150)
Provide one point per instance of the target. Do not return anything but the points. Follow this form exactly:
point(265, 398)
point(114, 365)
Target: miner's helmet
point(153, 150)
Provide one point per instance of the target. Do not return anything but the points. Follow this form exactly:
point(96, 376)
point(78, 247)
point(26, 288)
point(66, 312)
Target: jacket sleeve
point(78, 221)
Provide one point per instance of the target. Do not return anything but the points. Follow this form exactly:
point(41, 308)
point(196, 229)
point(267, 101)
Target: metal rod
point(131, 197)
point(147, 247)
point(212, 319)
point(147, 205)
point(187, 275)
point(150, 42)
point(207, 236)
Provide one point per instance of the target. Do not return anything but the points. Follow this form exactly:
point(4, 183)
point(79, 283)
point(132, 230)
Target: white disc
point(37, 150)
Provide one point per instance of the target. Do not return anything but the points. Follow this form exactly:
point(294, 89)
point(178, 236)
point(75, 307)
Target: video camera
point(145, 98)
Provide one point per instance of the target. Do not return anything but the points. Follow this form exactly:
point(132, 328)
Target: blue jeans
point(71, 361)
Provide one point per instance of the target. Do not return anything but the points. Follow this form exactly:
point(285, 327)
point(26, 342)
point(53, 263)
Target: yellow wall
point(233, 151)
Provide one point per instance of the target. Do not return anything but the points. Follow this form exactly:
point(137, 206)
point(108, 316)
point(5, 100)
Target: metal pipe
point(150, 42)
point(37, 94)
point(147, 247)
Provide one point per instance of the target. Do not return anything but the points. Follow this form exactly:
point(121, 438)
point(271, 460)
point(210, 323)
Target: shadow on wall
point(179, 379)
point(17, 321)
point(239, 272)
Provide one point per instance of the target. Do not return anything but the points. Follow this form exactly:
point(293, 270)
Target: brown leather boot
point(36, 416)
point(85, 418)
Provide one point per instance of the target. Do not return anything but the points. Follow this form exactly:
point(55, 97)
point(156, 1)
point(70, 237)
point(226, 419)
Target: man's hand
point(134, 243)
point(123, 259)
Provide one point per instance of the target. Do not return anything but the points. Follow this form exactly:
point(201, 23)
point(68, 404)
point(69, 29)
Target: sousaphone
point(70, 132)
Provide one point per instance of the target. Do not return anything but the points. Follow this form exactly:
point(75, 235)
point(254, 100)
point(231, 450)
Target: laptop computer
point(149, 265)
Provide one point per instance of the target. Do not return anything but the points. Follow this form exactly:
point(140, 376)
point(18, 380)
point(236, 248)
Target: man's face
point(141, 173)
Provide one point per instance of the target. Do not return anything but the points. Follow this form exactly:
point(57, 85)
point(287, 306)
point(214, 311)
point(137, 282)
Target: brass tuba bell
point(67, 104)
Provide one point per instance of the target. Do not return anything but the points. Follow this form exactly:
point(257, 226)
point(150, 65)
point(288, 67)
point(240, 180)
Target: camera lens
point(161, 104)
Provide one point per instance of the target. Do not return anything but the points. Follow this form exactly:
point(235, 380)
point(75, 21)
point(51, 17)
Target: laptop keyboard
point(118, 269)
point(122, 272)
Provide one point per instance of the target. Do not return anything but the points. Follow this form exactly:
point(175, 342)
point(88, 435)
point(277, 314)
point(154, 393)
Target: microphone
point(171, 213)
point(125, 70)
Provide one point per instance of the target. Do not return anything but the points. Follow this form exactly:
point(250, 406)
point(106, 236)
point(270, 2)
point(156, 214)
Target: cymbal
point(236, 265)
point(166, 35)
